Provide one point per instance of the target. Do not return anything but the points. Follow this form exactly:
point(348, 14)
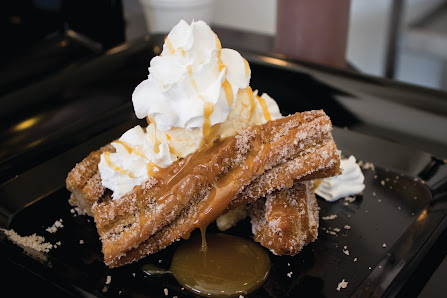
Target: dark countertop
point(77, 103)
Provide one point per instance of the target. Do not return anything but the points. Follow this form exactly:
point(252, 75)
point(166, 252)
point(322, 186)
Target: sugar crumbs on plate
point(342, 285)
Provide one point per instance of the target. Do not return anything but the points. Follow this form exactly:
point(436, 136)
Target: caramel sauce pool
point(231, 266)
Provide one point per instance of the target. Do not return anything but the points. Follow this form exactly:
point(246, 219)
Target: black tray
point(389, 225)
point(404, 205)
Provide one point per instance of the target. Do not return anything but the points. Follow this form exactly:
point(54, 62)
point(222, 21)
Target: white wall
point(251, 15)
point(367, 36)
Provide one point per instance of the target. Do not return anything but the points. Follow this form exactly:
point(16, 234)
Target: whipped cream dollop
point(134, 160)
point(193, 85)
point(192, 80)
point(349, 183)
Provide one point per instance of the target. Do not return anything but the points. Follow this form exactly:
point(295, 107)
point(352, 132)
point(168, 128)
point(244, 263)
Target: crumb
point(346, 204)
point(350, 199)
point(346, 252)
point(384, 245)
point(369, 268)
point(105, 289)
point(329, 217)
point(375, 176)
point(347, 227)
point(289, 274)
point(374, 193)
point(133, 274)
point(159, 261)
point(398, 208)
point(108, 280)
point(342, 285)
point(380, 266)
point(165, 290)
point(349, 215)
point(181, 289)
point(57, 224)
point(81, 241)
point(355, 259)
point(336, 230)
point(382, 182)
point(379, 200)
point(288, 264)
point(33, 241)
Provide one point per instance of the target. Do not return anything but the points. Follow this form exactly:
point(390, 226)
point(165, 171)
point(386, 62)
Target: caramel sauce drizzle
point(247, 67)
point(265, 110)
point(169, 45)
point(115, 167)
point(252, 102)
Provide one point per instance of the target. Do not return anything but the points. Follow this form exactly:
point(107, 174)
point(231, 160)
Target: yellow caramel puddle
point(231, 266)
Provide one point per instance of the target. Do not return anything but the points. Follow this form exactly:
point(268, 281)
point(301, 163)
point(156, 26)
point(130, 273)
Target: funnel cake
point(287, 219)
point(195, 190)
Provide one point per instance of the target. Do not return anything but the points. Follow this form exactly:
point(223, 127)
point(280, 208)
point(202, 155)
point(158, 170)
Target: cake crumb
point(33, 241)
point(384, 245)
point(382, 182)
point(355, 259)
point(81, 241)
point(329, 217)
point(57, 225)
point(342, 285)
point(289, 274)
point(347, 227)
point(165, 290)
point(350, 199)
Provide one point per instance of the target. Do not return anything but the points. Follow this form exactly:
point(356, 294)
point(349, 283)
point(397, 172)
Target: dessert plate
point(369, 243)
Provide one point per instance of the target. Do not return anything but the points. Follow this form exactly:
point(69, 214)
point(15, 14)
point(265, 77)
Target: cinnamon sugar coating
point(195, 190)
point(287, 219)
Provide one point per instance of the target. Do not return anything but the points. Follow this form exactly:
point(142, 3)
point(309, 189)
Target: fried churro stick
point(195, 190)
point(286, 220)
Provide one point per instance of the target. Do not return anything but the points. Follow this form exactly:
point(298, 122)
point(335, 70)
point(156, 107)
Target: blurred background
point(405, 40)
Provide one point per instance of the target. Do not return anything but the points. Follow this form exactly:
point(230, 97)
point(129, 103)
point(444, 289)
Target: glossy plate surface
point(367, 244)
point(374, 243)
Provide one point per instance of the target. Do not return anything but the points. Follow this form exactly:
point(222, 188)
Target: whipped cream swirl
point(134, 160)
point(193, 85)
point(191, 71)
point(349, 183)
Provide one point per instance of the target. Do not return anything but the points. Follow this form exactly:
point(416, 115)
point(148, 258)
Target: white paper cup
point(162, 15)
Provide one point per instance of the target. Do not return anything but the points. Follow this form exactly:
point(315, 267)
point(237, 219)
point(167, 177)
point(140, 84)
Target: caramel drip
point(208, 109)
point(147, 120)
point(150, 168)
point(125, 145)
point(169, 45)
point(247, 67)
point(265, 110)
point(115, 167)
point(193, 82)
point(228, 92)
point(252, 102)
point(204, 246)
point(156, 143)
